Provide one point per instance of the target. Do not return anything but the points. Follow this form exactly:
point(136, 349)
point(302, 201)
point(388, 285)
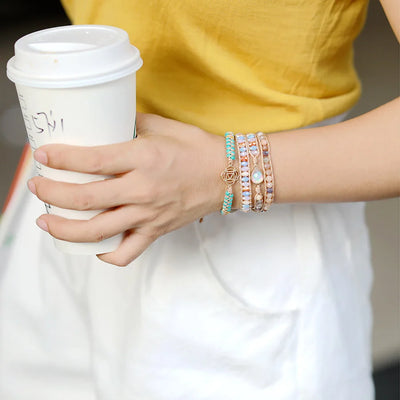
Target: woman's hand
point(164, 179)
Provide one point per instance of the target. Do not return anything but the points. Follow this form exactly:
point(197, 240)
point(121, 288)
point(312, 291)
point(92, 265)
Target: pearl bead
point(257, 176)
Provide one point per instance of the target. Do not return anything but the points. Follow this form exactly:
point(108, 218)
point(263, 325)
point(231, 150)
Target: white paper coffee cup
point(76, 85)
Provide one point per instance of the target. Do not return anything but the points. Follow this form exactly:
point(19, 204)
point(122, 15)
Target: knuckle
point(99, 237)
point(159, 229)
point(141, 216)
point(151, 234)
point(150, 156)
point(83, 201)
point(153, 222)
point(95, 234)
point(96, 161)
point(145, 195)
point(149, 193)
point(96, 165)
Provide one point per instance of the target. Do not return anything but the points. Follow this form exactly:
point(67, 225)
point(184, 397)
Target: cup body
point(85, 116)
point(76, 109)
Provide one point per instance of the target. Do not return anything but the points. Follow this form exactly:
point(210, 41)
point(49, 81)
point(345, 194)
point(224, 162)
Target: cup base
point(105, 246)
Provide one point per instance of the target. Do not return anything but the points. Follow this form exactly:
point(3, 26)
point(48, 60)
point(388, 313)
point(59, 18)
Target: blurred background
point(378, 63)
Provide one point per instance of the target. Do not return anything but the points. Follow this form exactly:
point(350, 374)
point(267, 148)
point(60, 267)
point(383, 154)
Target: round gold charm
point(230, 175)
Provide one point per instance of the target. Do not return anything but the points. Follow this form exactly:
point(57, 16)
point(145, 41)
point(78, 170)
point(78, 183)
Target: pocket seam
point(230, 295)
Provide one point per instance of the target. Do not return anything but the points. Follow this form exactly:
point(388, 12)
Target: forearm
point(356, 160)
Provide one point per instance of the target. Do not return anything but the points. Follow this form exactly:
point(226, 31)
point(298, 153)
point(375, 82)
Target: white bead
point(257, 176)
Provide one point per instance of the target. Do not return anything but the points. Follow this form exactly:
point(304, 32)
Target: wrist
point(214, 161)
point(251, 180)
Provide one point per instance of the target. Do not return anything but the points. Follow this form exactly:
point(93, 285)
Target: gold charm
point(230, 175)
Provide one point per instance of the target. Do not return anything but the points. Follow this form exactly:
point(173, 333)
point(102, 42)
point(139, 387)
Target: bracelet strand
point(257, 174)
point(244, 168)
point(268, 170)
point(230, 174)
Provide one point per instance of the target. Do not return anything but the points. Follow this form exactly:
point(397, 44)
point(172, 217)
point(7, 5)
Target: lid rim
point(21, 79)
point(36, 68)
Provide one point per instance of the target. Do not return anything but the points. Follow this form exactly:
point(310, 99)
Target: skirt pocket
point(268, 263)
point(198, 338)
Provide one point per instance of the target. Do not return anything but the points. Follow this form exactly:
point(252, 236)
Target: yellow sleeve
point(81, 12)
point(68, 7)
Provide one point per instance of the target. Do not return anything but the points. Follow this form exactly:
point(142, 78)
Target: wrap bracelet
point(268, 170)
point(230, 174)
point(244, 171)
point(256, 174)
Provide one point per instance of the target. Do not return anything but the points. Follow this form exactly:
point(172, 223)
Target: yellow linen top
point(238, 65)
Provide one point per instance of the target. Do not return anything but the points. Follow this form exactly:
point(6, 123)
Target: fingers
point(133, 244)
point(89, 196)
point(100, 227)
point(104, 160)
point(132, 188)
point(116, 221)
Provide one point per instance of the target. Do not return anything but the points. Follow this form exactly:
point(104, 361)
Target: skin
point(170, 175)
point(165, 179)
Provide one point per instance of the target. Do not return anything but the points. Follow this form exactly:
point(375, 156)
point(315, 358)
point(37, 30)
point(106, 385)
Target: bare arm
point(392, 10)
point(356, 160)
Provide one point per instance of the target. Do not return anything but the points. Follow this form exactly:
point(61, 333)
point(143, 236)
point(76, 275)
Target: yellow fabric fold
point(239, 65)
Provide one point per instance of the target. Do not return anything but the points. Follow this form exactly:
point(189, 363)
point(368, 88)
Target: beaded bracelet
point(268, 171)
point(230, 174)
point(244, 168)
point(257, 174)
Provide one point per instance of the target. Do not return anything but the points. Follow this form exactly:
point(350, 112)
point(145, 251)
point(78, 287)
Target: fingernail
point(42, 225)
point(40, 156)
point(32, 187)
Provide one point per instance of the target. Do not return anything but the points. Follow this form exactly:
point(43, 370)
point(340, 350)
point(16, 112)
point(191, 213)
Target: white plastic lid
point(73, 56)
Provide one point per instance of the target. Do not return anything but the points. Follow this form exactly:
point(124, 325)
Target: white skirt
point(271, 306)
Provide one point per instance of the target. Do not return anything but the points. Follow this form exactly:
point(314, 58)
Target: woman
point(243, 306)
